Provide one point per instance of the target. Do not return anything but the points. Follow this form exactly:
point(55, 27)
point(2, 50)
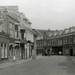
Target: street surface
point(53, 65)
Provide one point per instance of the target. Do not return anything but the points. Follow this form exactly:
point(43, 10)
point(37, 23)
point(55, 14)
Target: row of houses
point(57, 41)
point(17, 38)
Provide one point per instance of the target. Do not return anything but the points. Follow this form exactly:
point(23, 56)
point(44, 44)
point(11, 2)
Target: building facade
point(28, 35)
point(18, 36)
point(58, 41)
point(10, 26)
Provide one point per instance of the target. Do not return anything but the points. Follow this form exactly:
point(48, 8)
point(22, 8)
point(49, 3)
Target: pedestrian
point(14, 59)
point(33, 53)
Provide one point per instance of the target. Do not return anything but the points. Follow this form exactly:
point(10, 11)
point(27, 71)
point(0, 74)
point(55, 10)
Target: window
point(11, 25)
point(66, 40)
point(22, 35)
point(4, 45)
point(16, 27)
point(11, 33)
point(70, 40)
point(60, 41)
point(73, 39)
point(44, 43)
point(50, 42)
point(0, 26)
point(1, 44)
point(17, 34)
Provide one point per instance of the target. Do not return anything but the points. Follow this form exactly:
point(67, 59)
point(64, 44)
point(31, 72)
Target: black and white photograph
point(37, 37)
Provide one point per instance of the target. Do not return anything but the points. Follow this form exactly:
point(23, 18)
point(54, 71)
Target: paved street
point(53, 65)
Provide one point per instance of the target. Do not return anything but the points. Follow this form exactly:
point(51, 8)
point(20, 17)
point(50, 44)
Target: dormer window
point(29, 23)
point(72, 29)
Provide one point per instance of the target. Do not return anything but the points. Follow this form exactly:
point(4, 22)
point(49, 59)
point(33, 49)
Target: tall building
point(18, 36)
point(28, 35)
point(12, 28)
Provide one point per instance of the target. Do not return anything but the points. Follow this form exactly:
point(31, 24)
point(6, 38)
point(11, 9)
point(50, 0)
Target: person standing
point(33, 53)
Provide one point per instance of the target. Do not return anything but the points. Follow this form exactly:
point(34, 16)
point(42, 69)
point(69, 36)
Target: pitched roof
point(52, 33)
point(42, 31)
point(37, 32)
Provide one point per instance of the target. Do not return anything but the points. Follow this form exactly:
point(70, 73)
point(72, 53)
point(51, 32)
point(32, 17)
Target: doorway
point(71, 52)
point(57, 50)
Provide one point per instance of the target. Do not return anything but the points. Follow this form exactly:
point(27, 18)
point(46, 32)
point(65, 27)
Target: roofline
point(61, 36)
point(12, 18)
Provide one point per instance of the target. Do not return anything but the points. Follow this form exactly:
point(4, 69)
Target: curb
point(15, 64)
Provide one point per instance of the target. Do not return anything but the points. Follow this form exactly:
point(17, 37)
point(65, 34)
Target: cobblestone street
point(53, 65)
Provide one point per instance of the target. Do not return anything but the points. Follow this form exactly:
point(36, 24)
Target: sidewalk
point(10, 64)
point(73, 59)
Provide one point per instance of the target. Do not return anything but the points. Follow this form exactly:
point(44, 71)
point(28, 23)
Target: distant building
point(58, 41)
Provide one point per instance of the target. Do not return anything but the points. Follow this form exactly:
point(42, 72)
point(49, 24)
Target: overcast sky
point(45, 14)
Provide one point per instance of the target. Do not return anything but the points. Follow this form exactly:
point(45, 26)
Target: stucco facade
point(4, 46)
point(19, 38)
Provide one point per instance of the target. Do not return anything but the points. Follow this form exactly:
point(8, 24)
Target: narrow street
point(53, 65)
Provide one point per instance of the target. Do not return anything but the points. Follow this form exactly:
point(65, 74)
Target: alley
point(53, 65)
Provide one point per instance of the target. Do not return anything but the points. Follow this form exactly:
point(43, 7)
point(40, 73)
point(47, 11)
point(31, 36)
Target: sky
point(46, 14)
